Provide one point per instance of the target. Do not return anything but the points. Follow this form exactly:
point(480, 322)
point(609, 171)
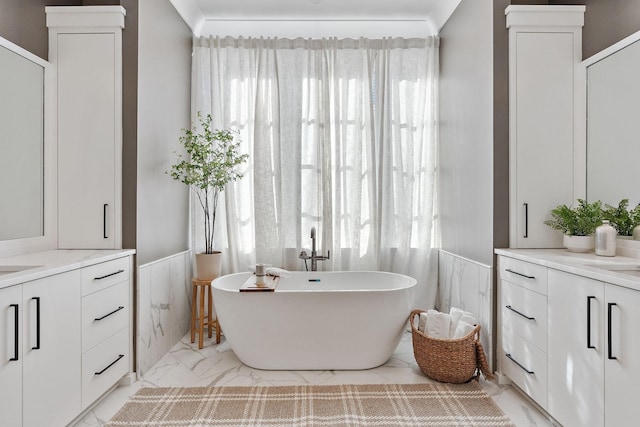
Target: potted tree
point(210, 164)
point(578, 224)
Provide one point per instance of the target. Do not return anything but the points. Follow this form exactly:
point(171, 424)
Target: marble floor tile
point(216, 365)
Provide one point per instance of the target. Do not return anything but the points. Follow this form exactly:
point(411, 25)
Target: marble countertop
point(583, 264)
point(52, 262)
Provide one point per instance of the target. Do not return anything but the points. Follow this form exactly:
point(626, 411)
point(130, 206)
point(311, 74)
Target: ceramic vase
point(578, 243)
point(208, 266)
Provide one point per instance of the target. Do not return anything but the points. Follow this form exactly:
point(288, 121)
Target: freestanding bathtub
point(315, 320)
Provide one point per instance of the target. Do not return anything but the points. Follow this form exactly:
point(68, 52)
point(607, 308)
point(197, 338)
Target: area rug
point(395, 405)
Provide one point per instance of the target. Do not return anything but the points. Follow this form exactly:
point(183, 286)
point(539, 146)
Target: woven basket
point(449, 360)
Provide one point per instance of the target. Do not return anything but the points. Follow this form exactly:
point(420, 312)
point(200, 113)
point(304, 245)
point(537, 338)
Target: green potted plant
point(577, 223)
point(623, 218)
point(212, 158)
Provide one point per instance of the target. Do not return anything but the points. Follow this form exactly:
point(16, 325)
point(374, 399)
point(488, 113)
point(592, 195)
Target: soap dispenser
point(606, 239)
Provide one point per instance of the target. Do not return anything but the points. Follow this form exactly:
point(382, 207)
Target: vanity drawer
point(103, 275)
point(104, 365)
point(104, 313)
point(524, 313)
point(526, 366)
point(525, 274)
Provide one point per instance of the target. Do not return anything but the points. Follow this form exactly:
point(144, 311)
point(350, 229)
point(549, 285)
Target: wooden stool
point(198, 323)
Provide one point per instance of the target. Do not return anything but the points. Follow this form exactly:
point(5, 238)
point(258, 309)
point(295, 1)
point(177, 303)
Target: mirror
point(613, 123)
point(21, 143)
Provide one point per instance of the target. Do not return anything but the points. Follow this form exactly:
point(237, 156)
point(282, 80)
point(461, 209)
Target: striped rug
point(413, 405)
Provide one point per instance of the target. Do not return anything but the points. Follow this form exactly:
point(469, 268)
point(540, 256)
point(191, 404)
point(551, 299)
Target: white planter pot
point(579, 243)
point(208, 266)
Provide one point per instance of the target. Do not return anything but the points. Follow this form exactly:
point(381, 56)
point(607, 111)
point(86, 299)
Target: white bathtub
point(347, 320)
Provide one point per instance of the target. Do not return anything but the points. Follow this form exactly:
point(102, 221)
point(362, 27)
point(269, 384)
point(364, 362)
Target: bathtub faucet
point(314, 254)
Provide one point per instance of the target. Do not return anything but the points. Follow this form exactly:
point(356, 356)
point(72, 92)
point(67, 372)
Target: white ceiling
point(197, 12)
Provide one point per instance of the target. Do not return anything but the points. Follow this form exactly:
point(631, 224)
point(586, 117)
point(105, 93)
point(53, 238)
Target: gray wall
point(606, 22)
point(23, 22)
point(164, 100)
point(466, 132)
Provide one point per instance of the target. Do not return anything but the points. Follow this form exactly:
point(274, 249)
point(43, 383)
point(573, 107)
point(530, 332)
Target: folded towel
point(438, 324)
point(458, 314)
point(277, 272)
point(422, 322)
point(463, 329)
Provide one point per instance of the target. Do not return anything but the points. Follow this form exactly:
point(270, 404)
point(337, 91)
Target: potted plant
point(210, 164)
point(578, 224)
point(623, 218)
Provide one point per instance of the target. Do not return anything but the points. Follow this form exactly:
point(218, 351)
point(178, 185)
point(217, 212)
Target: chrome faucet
point(314, 254)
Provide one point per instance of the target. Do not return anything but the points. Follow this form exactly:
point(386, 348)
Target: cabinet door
point(576, 349)
point(87, 141)
point(542, 135)
point(52, 350)
point(11, 356)
point(622, 364)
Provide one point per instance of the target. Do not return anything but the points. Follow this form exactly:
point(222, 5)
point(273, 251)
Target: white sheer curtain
point(342, 137)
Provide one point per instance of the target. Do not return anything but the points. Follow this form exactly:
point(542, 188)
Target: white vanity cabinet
point(51, 350)
point(106, 316)
point(11, 356)
point(594, 351)
point(39, 376)
point(523, 319)
point(545, 44)
point(85, 46)
point(576, 349)
point(583, 368)
point(65, 336)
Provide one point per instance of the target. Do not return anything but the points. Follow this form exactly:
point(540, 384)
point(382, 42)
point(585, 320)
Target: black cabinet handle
point(589, 298)
point(16, 328)
point(104, 220)
point(37, 346)
point(519, 364)
point(519, 274)
point(110, 365)
point(526, 220)
point(521, 314)
point(610, 355)
point(109, 314)
point(108, 275)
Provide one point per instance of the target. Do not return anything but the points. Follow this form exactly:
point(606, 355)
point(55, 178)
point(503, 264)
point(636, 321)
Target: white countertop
point(52, 262)
point(582, 264)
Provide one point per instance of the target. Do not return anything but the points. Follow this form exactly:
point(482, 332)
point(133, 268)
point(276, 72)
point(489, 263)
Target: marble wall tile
point(467, 285)
point(164, 307)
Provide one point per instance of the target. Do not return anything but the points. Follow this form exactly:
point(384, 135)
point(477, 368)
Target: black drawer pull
point(610, 355)
point(108, 275)
point(521, 314)
point(109, 314)
point(110, 365)
point(37, 346)
point(526, 221)
point(519, 274)
point(589, 298)
point(519, 365)
point(104, 221)
point(16, 328)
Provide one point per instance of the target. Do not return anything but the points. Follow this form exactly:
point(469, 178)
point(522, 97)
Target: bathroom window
point(341, 136)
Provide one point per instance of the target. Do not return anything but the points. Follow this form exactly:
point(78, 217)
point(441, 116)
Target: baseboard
point(502, 379)
point(128, 379)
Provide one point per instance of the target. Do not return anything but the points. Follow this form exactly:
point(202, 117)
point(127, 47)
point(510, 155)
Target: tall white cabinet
point(85, 45)
point(545, 44)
